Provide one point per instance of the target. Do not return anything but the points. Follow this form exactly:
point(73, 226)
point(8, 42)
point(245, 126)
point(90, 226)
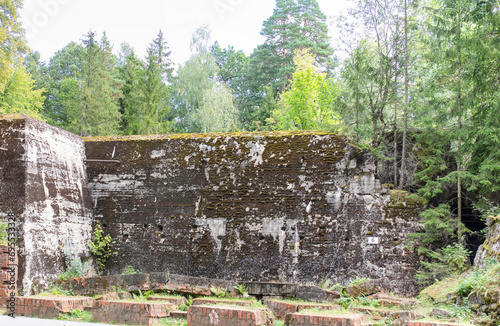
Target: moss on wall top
point(265, 134)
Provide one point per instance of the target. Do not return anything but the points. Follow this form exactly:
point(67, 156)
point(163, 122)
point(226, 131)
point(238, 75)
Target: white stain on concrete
point(157, 153)
point(217, 228)
point(256, 150)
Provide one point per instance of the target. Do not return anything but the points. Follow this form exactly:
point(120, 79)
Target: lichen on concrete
point(249, 206)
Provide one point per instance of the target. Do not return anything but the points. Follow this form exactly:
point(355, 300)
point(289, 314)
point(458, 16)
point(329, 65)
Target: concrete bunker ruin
point(272, 206)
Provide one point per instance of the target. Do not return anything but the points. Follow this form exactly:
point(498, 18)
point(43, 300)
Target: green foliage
point(478, 279)
point(12, 43)
point(85, 89)
point(242, 289)
point(358, 280)
point(77, 315)
point(325, 284)
point(201, 103)
point(3, 233)
point(172, 322)
point(185, 307)
point(19, 95)
point(219, 292)
point(452, 259)
point(129, 270)
point(53, 289)
point(74, 268)
point(309, 102)
point(142, 296)
point(101, 246)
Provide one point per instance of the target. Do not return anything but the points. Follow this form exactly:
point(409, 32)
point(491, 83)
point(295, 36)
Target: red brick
point(124, 312)
point(203, 301)
point(430, 323)
point(49, 307)
point(298, 319)
point(177, 301)
point(227, 316)
point(280, 308)
point(406, 315)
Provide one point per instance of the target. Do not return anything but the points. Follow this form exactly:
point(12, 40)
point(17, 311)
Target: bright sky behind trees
point(52, 24)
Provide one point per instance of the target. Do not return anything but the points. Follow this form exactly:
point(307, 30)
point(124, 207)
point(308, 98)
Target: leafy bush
point(242, 289)
point(325, 284)
point(358, 280)
point(219, 292)
point(129, 270)
point(3, 233)
point(74, 268)
point(100, 246)
point(185, 307)
point(77, 315)
point(477, 279)
point(453, 259)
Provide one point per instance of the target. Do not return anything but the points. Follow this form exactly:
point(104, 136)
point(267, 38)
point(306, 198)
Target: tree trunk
point(459, 149)
point(405, 109)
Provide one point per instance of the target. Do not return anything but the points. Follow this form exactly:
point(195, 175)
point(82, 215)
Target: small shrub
point(101, 245)
point(55, 290)
point(129, 270)
point(172, 322)
point(77, 315)
point(358, 280)
point(445, 262)
point(142, 296)
point(219, 292)
point(242, 289)
point(74, 268)
point(325, 284)
point(477, 279)
point(185, 307)
point(3, 233)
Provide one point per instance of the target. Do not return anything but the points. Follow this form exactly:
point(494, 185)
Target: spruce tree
point(156, 93)
point(98, 110)
point(133, 75)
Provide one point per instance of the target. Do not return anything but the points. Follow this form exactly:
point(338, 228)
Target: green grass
point(166, 295)
point(254, 305)
point(172, 322)
point(316, 311)
point(228, 299)
point(77, 315)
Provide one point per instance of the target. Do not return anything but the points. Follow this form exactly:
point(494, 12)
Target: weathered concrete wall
point(491, 246)
point(295, 206)
point(43, 182)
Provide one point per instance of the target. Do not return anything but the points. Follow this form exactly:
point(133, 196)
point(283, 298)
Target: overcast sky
point(51, 24)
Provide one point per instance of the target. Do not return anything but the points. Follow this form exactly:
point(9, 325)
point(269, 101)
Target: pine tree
point(133, 75)
point(156, 92)
point(313, 32)
point(98, 111)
